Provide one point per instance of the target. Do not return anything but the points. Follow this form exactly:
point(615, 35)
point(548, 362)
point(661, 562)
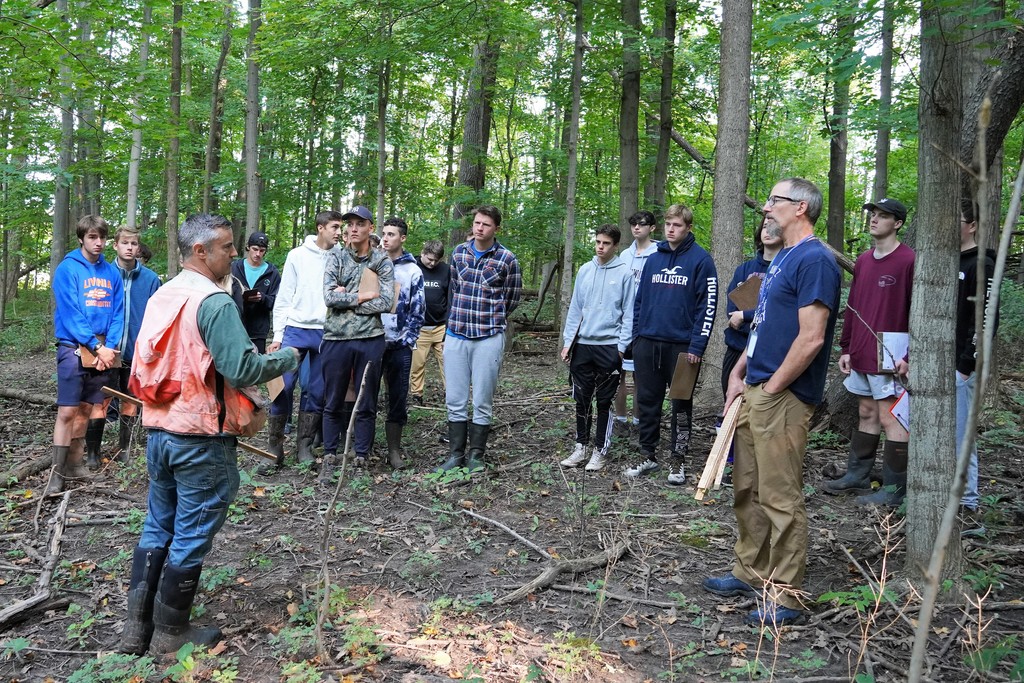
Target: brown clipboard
point(88, 358)
point(746, 293)
point(684, 379)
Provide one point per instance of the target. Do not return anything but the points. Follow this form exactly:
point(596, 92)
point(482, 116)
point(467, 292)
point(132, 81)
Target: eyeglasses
point(642, 225)
point(775, 198)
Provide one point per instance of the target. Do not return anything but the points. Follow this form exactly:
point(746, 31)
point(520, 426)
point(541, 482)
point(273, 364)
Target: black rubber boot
point(894, 477)
point(60, 459)
point(126, 429)
point(275, 444)
point(147, 566)
point(477, 446)
point(327, 469)
point(457, 432)
point(858, 465)
point(309, 425)
point(94, 443)
point(172, 607)
point(393, 431)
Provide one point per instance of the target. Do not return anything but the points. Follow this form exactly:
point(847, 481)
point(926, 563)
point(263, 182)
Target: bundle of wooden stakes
point(711, 477)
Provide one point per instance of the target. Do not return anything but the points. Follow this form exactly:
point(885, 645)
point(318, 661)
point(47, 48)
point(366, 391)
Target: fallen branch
point(27, 468)
point(614, 596)
point(553, 571)
point(528, 543)
point(22, 395)
point(43, 590)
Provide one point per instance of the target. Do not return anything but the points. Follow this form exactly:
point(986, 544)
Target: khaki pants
point(768, 497)
point(430, 338)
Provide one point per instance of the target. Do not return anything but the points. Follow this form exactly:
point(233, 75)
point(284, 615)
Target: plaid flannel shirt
point(484, 291)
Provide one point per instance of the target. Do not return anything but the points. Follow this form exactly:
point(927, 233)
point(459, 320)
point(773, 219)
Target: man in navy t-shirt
point(781, 378)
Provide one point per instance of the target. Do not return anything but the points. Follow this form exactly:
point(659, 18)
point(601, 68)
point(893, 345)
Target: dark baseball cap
point(358, 212)
point(889, 206)
point(258, 239)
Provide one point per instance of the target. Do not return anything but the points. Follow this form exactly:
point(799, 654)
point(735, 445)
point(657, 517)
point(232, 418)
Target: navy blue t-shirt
point(798, 277)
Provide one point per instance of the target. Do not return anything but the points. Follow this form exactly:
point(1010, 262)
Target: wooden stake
point(715, 467)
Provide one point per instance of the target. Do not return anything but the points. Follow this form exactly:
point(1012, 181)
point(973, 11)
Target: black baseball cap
point(359, 212)
point(258, 239)
point(889, 206)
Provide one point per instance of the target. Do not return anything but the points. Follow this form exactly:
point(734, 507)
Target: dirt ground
point(417, 575)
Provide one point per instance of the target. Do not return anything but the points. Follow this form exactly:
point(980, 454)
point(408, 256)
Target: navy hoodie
point(737, 339)
point(677, 296)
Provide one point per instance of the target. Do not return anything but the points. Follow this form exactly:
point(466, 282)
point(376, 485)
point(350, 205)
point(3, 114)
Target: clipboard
point(88, 358)
point(746, 293)
point(901, 410)
point(892, 348)
point(684, 378)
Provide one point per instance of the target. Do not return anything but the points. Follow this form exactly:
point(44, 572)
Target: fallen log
point(27, 468)
point(28, 397)
point(43, 589)
point(559, 567)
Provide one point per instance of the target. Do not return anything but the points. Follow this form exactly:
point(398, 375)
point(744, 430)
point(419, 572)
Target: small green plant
point(985, 578)
point(300, 672)
point(291, 640)
point(574, 652)
point(808, 659)
point(986, 660)
point(12, 648)
point(115, 668)
point(133, 520)
point(78, 631)
point(420, 567)
point(196, 664)
point(862, 598)
point(824, 439)
point(213, 578)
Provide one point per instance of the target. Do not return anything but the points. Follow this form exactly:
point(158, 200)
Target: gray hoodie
point(601, 310)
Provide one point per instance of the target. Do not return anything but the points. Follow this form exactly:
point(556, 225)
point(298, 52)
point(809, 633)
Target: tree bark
point(881, 184)
point(570, 195)
point(252, 122)
point(62, 189)
point(135, 160)
point(838, 125)
point(312, 127)
point(87, 134)
point(629, 113)
point(383, 87)
point(476, 128)
point(174, 144)
point(657, 199)
point(212, 162)
point(933, 304)
point(731, 161)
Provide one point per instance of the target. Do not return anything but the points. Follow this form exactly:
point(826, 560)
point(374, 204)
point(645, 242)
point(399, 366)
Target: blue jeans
point(476, 363)
point(397, 363)
point(346, 361)
point(308, 344)
point(192, 481)
point(964, 399)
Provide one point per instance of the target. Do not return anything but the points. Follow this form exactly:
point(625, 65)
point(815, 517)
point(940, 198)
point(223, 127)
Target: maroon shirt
point(881, 294)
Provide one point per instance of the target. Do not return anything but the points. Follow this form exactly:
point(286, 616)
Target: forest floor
point(416, 575)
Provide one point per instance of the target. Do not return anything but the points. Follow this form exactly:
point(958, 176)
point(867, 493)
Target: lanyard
point(769, 279)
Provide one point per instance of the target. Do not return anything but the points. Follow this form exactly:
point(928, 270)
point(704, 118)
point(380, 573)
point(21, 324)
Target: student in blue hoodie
point(140, 283)
point(89, 312)
point(673, 314)
point(598, 328)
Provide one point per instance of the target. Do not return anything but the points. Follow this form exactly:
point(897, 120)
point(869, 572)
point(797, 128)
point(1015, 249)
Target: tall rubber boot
point(457, 432)
point(894, 477)
point(94, 442)
point(147, 565)
point(172, 607)
point(477, 446)
point(275, 444)
point(309, 425)
point(60, 458)
point(126, 428)
point(858, 465)
point(393, 431)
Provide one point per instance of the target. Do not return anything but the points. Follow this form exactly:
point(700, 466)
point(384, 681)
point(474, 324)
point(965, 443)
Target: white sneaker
point(646, 467)
point(597, 460)
point(677, 478)
point(577, 457)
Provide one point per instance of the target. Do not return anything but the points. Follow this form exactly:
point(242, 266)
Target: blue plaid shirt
point(484, 291)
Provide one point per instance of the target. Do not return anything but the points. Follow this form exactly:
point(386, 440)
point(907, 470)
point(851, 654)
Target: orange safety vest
point(173, 372)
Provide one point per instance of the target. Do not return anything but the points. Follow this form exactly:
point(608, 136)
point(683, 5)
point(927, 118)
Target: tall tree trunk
point(453, 129)
point(252, 122)
point(629, 113)
point(383, 86)
point(730, 162)
point(933, 303)
point(87, 134)
point(212, 162)
point(570, 195)
point(881, 186)
point(838, 125)
point(657, 197)
point(312, 128)
point(62, 189)
point(135, 160)
point(476, 129)
point(337, 143)
point(174, 145)
point(396, 147)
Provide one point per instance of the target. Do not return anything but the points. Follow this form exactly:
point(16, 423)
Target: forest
point(566, 115)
